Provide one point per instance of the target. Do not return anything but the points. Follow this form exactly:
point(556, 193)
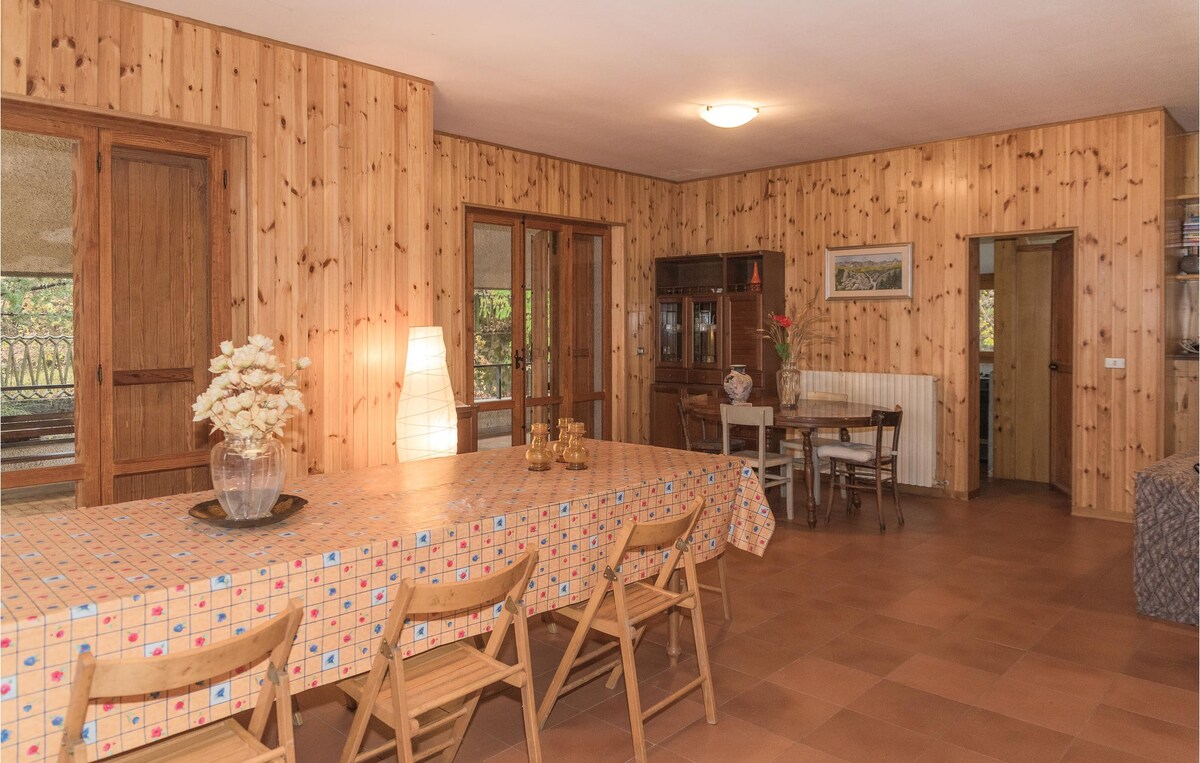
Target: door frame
point(566, 229)
point(972, 316)
point(229, 305)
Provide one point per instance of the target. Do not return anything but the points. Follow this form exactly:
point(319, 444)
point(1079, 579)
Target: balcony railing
point(493, 381)
point(37, 367)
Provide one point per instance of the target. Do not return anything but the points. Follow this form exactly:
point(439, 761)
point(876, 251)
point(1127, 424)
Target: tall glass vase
point(788, 382)
point(247, 475)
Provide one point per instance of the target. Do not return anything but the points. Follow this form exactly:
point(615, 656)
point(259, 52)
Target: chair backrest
point(689, 419)
point(748, 415)
point(436, 598)
point(127, 677)
point(645, 534)
point(881, 420)
point(833, 397)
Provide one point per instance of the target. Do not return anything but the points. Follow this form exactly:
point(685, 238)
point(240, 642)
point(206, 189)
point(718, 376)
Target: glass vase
point(788, 385)
point(247, 475)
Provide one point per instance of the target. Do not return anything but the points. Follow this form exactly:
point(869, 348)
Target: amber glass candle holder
point(563, 435)
point(575, 455)
point(538, 455)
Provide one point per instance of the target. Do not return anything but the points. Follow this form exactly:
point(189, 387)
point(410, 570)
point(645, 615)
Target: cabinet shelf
point(1185, 197)
point(1186, 277)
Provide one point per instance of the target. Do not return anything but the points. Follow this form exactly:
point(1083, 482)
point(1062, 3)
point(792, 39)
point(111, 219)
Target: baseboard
point(1112, 516)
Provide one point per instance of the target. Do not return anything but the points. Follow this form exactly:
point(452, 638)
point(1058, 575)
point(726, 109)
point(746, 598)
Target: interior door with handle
point(161, 314)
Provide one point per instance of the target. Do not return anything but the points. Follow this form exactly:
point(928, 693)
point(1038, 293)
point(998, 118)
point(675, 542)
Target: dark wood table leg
point(810, 471)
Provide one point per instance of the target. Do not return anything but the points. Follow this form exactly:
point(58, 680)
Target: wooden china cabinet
point(707, 310)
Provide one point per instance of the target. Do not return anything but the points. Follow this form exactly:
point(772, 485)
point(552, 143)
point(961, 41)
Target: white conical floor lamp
point(426, 422)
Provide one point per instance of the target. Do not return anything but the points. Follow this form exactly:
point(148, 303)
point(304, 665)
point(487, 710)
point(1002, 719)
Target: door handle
point(1053, 366)
point(518, 360)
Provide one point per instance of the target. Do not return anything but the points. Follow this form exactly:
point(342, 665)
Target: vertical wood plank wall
point(473, 173)
point(339, 175)
point(356, 229)
point(1102, 177)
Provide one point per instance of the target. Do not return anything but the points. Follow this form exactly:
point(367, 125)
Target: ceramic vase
point(738, 384)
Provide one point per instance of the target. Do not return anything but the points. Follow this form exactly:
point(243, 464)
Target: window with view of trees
point(987, 320)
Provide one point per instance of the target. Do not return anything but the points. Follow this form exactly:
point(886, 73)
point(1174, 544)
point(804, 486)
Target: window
point(987, 320)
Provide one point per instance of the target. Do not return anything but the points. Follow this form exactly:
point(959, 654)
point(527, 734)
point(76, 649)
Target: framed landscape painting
point(869, 272)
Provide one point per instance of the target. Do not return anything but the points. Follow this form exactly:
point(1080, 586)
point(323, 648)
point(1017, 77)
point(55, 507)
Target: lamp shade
point(728, 114)
point(426, 423)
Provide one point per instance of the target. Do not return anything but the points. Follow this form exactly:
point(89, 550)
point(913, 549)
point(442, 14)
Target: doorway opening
point(1023, 316)
point(539, 342)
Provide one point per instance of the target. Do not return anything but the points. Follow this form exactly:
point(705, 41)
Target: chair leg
point(879, 497)
point(633, 696)
point(896, 498)
point(698, 633)
point(551, 626)
point(852, 500)
point(833, 469)
point(560, 675)
point(533, 743)
point(789, 487)
point(816, 486)
point(725, 603)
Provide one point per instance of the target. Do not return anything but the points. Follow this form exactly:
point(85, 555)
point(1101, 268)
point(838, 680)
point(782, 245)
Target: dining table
point(146, 578)
point(806, 416)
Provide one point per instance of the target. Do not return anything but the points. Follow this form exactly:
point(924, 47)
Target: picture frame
point(869, 272)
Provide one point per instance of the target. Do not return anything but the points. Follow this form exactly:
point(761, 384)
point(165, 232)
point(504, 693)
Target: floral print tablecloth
point(144, 578)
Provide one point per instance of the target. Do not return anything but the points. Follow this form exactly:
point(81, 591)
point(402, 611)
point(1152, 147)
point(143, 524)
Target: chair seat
point(858, 452)
point(716, 446)
point(225, 740)
point(435, 677)
point(642, 601)
point(798, 444)
point(772, 459)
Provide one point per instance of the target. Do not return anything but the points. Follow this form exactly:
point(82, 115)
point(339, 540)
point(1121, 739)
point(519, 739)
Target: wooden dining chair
point(696, 435)
point(440, 688)
point(621, 612)
point(763, 461)
point(98, 678)
point(879, 458)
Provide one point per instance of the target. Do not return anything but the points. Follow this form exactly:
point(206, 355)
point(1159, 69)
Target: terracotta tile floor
point(999, 630)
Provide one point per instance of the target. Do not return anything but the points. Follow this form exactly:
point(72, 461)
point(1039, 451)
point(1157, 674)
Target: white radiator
point(916, 395)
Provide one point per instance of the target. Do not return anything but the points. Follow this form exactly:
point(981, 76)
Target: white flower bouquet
point(250, 396)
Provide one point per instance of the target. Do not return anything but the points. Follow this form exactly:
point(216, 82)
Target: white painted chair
point(761, 459)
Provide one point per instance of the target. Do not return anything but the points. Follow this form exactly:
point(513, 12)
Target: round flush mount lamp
point(728, 115)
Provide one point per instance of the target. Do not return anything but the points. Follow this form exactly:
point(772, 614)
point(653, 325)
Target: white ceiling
point(618, 83)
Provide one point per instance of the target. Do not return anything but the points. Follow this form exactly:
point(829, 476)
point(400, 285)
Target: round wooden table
point(808, 416)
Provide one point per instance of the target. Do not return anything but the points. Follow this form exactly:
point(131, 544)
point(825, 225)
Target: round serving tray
point(211, 513)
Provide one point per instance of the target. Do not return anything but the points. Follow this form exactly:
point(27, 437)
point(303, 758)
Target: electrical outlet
point(1114, 362)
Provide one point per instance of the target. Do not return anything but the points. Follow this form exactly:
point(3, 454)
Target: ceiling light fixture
point(728, 115)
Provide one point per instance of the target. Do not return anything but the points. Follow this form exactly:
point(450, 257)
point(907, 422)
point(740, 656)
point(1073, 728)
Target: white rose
point(303, 363)
point(227, 348)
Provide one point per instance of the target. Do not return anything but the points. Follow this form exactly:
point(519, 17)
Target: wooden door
point(1062, 343)
point(161, 317)
point(1022, 362)
point(745, 345)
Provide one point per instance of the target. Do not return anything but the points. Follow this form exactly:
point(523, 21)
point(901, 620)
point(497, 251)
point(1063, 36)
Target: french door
point(539, 342)
point(116, 294)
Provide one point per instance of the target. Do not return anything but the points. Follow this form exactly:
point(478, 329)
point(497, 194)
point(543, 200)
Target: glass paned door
point(589, 343)
point(706, 322)
point(539, 334)
point(46, 406)
point(494, 349)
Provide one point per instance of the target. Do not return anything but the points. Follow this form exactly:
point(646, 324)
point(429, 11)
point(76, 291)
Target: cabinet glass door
point(706, 323)
point(670, 331)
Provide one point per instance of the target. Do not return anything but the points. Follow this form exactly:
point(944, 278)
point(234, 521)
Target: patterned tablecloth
point(144, 578)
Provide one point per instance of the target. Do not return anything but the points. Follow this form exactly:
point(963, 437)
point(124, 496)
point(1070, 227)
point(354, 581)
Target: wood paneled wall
point(1101, 177)
point(472, 173)
point(337, 262)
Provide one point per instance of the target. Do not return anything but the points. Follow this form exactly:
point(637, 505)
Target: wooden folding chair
point(440, 688)
point(227, 740)
point(621, 612)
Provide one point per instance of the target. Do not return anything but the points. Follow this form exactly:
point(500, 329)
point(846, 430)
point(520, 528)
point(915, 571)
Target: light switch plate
point(1114, 362)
